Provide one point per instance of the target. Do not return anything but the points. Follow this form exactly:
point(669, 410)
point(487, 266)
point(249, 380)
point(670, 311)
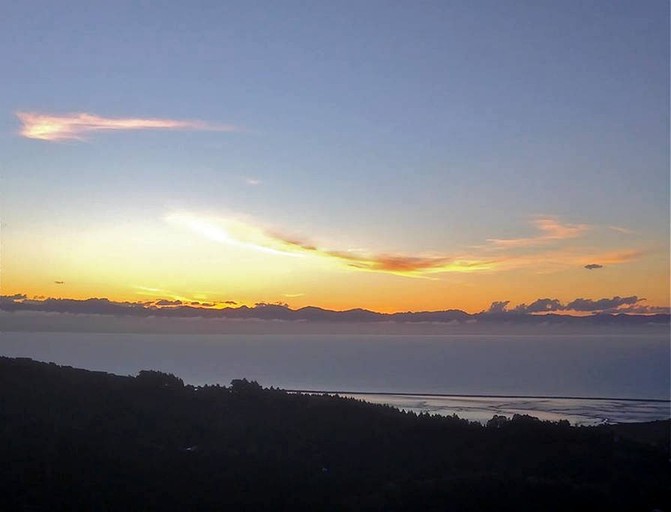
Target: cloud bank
point(602, 304)
point(540, 306)
point(77, 126)
point(617, 304)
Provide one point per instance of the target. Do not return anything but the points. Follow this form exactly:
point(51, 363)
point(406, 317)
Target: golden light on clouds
point(76, 126)
point(545, 261)
point(193, 257)
point(237, 232)
point(614, 257)
point(551, 230)
point(542, 253)
point(242, 233)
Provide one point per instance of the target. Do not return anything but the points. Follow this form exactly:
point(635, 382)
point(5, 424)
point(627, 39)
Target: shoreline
point(463, 395)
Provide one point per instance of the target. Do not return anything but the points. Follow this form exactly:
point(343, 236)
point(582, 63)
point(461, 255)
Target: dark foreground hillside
point(77, 440)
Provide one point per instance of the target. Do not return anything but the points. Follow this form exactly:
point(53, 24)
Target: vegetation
point(77, 440)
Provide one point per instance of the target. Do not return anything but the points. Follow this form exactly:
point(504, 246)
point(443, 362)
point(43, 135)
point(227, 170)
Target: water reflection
point(578, 411)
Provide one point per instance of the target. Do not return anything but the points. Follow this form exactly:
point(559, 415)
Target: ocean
point(586, 379)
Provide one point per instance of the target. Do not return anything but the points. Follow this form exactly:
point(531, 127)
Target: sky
point(393, 156)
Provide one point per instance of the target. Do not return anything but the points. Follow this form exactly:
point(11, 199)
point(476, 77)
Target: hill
point(72, 439)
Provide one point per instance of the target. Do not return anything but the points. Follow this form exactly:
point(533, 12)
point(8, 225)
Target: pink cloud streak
point(76, 126)
point(551, 230)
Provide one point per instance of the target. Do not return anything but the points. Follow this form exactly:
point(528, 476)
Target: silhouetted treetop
point(152, 378)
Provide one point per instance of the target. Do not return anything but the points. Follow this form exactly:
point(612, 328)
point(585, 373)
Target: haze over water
point(589, 366)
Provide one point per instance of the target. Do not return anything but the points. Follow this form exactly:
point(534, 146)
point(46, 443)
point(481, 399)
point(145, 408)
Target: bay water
point(583, 378)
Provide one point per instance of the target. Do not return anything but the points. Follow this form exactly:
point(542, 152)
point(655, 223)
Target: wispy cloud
point(163, 294)
point(410, 265)
point(76, 126)
point(548, 260)
point(551, 230)
point(253, 182)
point(166, 298)
point(620, 229)
point(613, 257)
point(489, 257)
point(246, 234)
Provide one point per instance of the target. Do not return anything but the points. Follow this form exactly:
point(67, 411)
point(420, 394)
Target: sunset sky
point(388, 155)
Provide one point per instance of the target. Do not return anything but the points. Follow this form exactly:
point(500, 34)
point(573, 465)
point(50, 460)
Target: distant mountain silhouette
point(263, 311)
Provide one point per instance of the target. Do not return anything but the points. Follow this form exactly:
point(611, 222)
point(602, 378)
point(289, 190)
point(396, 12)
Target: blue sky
point(396, 127)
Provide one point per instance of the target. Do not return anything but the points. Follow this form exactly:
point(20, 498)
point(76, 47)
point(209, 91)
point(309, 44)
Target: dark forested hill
point(78, 440)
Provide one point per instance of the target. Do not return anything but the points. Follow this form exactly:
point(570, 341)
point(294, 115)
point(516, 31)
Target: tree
point(154, 379)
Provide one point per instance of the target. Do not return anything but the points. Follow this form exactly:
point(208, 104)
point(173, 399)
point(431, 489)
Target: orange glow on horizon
point(152, 260)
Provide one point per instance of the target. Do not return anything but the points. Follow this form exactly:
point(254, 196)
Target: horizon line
point(604, 307)
point(452, 395)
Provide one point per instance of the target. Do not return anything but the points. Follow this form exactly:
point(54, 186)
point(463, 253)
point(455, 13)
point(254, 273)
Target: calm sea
point(505, 371)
